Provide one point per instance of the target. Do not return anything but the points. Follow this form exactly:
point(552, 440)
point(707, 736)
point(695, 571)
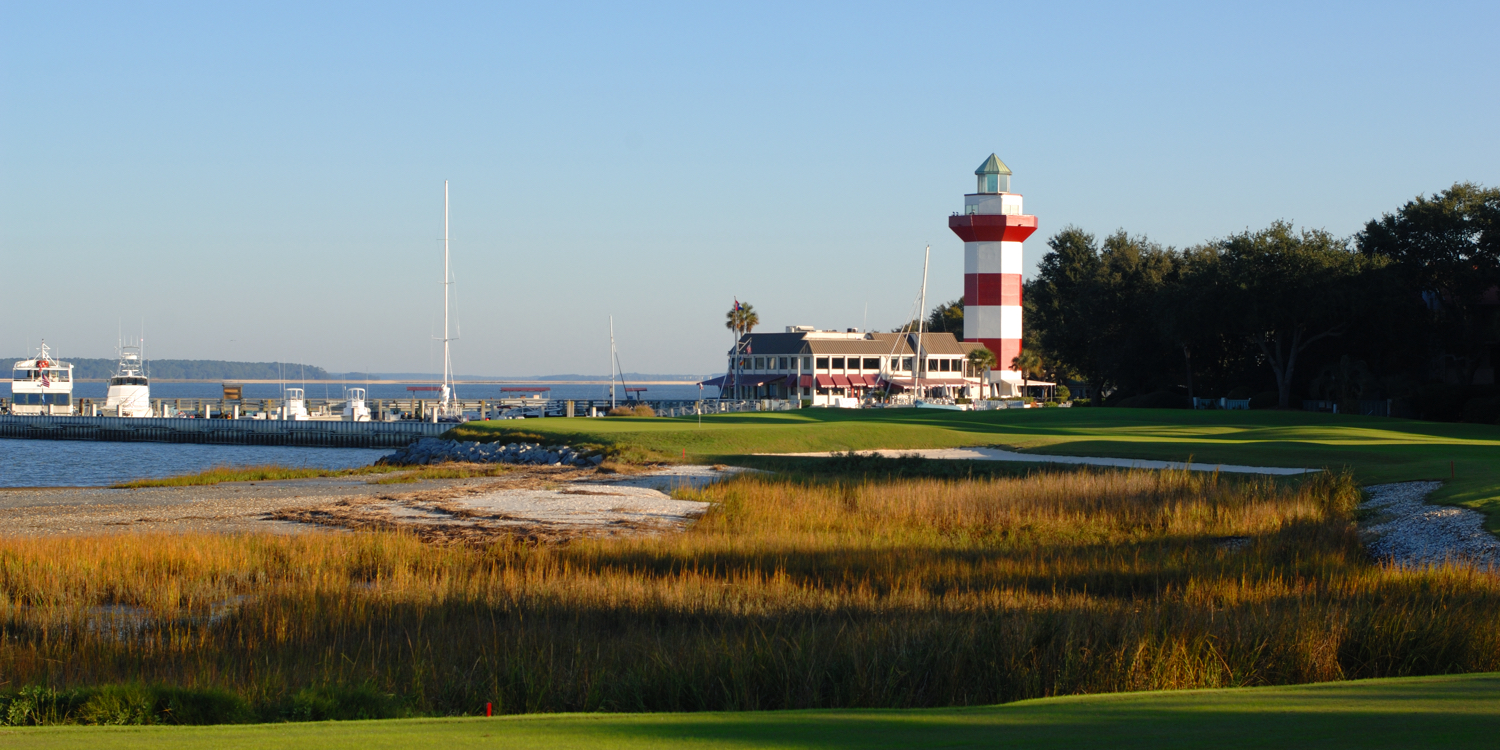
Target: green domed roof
point(992, 165)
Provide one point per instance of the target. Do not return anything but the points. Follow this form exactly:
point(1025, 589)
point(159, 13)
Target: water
point(319, 389)
point(86, 463)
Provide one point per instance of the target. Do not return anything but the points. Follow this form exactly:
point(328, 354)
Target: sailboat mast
point(613, 360)
point(447, 281)
point(922, 322)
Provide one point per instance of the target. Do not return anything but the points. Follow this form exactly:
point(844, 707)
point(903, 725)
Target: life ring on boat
point(43, 363)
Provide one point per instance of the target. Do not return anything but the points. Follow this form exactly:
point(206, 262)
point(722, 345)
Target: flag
point(45, 381)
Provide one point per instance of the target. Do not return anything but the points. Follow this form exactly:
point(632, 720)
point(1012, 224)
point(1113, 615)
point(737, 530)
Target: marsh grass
point(787, 593)
point(260, 473)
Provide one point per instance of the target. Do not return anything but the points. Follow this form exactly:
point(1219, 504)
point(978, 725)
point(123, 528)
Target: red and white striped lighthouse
point(993, 227)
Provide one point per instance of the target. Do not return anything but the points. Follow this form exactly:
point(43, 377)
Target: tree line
point(198, 369)
point(1407, 309)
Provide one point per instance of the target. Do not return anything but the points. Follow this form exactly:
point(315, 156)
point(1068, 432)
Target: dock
point(213, 421)
point(307, 434)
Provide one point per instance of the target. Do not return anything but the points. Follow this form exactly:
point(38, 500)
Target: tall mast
point(922, 322)
point(613, 360)
point(447, 282)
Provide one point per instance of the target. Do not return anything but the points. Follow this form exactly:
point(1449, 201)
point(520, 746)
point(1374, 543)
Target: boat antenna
point(922, 323)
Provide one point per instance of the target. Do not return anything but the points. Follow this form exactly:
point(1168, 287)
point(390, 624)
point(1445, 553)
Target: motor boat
point(129, 392)
point(355, 409)
point(42, 386)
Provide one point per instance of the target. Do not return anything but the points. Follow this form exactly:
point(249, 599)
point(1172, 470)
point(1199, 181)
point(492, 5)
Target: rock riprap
point(436, 450)
point(1409, 531)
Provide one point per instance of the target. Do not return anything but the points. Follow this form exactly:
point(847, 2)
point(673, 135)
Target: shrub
point(1265, 400)
point(644, 410)
point(1063, 394)
point(1482, 411)
point(1157, 400)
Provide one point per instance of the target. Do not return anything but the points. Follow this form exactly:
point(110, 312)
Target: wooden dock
point(310, 434)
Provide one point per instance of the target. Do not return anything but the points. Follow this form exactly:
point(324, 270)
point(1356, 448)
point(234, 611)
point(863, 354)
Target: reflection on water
point(84, 463)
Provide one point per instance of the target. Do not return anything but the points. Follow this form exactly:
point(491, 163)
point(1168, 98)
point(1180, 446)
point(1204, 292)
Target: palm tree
point(1027, 363)
point(982, 359)
point(742, 320)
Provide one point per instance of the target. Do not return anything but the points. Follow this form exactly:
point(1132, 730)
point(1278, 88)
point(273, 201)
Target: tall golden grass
point(786, 594)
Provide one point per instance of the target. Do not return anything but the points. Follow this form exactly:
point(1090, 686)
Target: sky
point(264, 181)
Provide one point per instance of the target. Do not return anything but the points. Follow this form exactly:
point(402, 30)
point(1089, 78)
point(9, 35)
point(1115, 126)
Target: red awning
point(840, 381)
point(825, 381)
point(807, 381)
point(872, 381)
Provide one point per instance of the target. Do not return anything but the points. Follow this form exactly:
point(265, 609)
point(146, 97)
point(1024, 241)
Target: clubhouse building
point(843, 368)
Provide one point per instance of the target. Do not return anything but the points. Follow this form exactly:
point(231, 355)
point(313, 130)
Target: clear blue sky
point(264, 181)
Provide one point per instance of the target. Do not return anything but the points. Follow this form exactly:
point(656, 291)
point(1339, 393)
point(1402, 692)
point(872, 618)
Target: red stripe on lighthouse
point(992, 289)
point(1005, 350)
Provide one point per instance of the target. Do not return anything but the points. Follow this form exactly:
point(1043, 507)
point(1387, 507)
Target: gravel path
point(996, 454)
point(1409, 531)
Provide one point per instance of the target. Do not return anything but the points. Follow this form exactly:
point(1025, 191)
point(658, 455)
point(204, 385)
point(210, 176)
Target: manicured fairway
point(1438, 712)
point(1375, 449)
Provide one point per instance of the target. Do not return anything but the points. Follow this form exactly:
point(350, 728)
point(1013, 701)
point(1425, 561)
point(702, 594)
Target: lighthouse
point(993, 226)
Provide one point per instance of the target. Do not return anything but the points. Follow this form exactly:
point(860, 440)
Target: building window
point(807, 363)
point(760, 363)
point(838, 363)
point(932, 364)
point(784, 364)
point(905, 364)
point(822, 363)
point(943, 365)
point(872, 363)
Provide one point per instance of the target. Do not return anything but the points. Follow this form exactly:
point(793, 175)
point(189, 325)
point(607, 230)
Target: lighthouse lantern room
point(993, 228)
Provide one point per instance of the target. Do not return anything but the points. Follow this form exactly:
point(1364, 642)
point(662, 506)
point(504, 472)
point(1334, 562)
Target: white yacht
point(42, 386)
point(355, 409)
point(129, 392)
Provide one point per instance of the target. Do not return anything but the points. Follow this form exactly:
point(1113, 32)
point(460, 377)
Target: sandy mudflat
point(536, 502)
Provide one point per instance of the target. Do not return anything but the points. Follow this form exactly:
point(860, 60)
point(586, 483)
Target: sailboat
point(447, 410)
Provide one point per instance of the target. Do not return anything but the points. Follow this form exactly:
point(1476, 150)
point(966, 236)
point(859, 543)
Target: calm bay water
point(86, 463)
point(83, 463)
point(318, 389)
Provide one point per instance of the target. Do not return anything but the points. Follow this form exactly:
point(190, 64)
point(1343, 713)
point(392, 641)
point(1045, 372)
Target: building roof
point(992, 165)
point(863, 344)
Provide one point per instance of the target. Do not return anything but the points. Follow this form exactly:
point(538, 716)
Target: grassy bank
point(1373, 449)
point(1447, 712)
point(786, 595)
